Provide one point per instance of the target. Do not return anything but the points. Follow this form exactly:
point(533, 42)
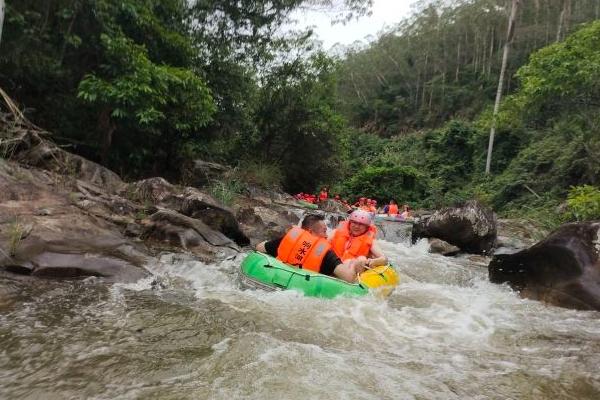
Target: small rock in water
point(438, 246)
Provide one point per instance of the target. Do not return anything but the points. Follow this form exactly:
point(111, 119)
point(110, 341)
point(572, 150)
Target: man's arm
point(377, 257)
point(349, 270)
point(261, 247)
point(269, 247)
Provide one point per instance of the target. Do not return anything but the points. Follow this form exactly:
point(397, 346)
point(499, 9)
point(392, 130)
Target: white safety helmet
point(361, 217)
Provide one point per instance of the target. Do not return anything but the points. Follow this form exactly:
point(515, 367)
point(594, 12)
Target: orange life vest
point(303, 249)
point(323, 196)
point(393, 209)
point(347, 247)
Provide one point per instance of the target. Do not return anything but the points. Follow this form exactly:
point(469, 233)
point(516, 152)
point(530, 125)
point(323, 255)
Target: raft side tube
point(262, 271)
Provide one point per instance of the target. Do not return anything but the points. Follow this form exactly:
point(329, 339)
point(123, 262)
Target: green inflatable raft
point(262, 271)
point(308, 205)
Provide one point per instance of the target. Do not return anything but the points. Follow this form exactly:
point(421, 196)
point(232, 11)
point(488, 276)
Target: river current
point(192, 332)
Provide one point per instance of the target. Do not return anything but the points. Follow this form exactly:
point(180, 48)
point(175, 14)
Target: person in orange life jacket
point(373, 207)
point(405, 212)
point(355, 239)
point(324, 194)
point(360, 203)
point(343, 202)
point(392, 208)
point(366, 205)
point(307, 247)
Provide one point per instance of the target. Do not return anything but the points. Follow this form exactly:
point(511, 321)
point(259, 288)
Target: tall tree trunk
point(509, 38)
point(491, 56)
point(457, 61)
point(401, 75)
point(2, 7)
point(106, 127)
point(564, 20)
point(547, 22)
point(424, 81)
point(357, 90)
point(485, 54)
point(416, 102)
point(476, 56)
point(431, 95)
point(536, 22)
point(69, 30)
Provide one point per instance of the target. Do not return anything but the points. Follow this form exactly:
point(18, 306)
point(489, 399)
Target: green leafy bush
point(264, 175)
point(402, 183)
point(225, 191)
point(584, 203)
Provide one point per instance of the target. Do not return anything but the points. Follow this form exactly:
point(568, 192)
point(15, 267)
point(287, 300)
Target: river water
point(193, 333)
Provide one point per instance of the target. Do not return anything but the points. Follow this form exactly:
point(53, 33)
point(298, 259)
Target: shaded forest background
point(146, 86)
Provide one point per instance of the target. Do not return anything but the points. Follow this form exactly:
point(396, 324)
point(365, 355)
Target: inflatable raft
point(262, 271)
point(385, 217)
point(308, 205)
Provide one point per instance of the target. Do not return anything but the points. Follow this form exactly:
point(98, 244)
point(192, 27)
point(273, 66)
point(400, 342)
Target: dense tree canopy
point(548, 139)
point(444, 61)
point(143, 85)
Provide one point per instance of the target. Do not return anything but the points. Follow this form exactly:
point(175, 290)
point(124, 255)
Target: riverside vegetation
point(146, 87)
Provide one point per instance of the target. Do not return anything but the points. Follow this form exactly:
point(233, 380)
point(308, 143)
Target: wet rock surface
point(49, 228)
point(471, 227)
point(332, 206)
point(53, 225)
point(264, 219)
point(190, 202)
point(394, 231)
point(200, 173)
point(438, 246)
point(107, 257)
point(189, 234)
point(517, 234)
point(43, 211)
point(563, 269)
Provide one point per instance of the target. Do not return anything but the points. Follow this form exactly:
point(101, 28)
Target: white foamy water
point(192, 332)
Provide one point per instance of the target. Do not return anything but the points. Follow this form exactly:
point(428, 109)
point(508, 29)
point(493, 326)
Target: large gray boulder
point(260, 221)
point(200, 173)
point(471, 227)
point(563, 269)
point(35, 151)
point(112, 258)
point(517, 234)
point(190, 234)
point(394, 231)
point(190, 202)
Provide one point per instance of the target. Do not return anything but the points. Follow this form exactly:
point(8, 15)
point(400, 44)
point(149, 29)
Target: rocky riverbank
point(64, 216)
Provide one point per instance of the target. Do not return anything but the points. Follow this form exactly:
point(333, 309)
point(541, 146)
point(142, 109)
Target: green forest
point(145, 87)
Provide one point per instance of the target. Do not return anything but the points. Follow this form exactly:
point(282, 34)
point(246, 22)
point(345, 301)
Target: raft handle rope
point(269, 265)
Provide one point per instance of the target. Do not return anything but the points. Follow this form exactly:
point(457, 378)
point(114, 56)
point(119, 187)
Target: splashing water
point(191, 331)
